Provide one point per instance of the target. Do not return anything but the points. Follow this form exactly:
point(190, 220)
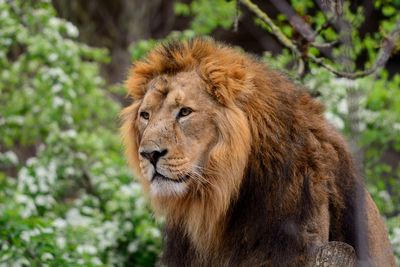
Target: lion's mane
point(278, 166)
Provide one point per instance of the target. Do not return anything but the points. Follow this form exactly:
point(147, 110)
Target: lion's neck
point(247, 227)
point(202, 222)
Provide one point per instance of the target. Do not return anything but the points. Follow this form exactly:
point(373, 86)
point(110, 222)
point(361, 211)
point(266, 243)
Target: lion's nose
point(153, 156)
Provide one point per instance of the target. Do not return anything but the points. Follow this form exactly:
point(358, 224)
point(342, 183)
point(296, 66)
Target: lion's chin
point(160, 187)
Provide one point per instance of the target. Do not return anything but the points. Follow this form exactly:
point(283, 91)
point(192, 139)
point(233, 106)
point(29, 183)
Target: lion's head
point(185, 135)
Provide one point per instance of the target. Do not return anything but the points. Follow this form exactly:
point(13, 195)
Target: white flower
point(72, 31)
point(54, 22)
point(19, 120)
point(70, 133)
point(75, 218)
point(33, 188)
point(69, 171)
point(61, 241)
point(127, 226)
point(395, 238)
point(81, 155)
point(53, 57)
point(385, 195)
point(20, 262)
point(87, 210)
point(56, 88)
point(47, 256)
point(10, 156)
point(72, 93)
point(20, 198)
point(28, 210)
point(335, 120)
point(43, 187)
point(96, 261)
point(47, 231)
point(41, 171)
point(342, 106)
point(155, 232)
point(31, 161)
point(126, 190)
point(140, 203)
point(136, 187)
point(59, 223)
point(26, 236)
point(41, 200)
point(344, 82)
point(133, 246)
point(86, 249)
point(58, 102)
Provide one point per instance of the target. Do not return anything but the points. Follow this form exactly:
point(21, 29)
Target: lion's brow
point(160, 84)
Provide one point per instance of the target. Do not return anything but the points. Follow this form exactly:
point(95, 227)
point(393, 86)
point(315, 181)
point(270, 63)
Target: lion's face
point(176, 133)
point(187, 133)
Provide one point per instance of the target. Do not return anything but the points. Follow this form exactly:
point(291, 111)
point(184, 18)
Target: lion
point(242, 163)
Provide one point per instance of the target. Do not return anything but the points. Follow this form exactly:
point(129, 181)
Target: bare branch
point(324, 45)
point(331, 8)
point(236, 20)
point(274, 29)
point(301, 26)
point(277, 32)
point(295, 20)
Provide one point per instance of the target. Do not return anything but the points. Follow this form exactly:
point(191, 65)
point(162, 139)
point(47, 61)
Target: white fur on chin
point(164, 188)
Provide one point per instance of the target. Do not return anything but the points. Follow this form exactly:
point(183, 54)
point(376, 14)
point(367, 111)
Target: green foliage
point(219, 14)
point(142, 47)
point(206, 18)
point(72, 202)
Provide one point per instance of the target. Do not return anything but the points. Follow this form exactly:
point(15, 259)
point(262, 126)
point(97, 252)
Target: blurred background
point(67, 197)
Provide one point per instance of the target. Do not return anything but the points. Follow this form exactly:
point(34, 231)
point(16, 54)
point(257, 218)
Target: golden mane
point(224, 70)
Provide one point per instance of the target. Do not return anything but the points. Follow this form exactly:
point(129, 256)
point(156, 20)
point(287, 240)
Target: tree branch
point(387, 46)
point(295, 20)
point(332, 9)
point(324, 45)
point(276, 31)
point(302, 27)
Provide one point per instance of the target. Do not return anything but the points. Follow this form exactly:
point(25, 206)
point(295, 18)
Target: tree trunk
point(115, 25)
point(334, 254)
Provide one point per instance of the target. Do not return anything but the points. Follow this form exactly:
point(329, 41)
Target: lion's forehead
point(170, 92)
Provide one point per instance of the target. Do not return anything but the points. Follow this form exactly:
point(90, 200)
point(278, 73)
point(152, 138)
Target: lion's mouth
point(158, 176)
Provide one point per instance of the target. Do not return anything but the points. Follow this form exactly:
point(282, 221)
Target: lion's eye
point(145, 115)
point(184, 112)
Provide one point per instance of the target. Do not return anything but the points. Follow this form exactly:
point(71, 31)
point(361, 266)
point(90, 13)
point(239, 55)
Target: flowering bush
point(68, 196)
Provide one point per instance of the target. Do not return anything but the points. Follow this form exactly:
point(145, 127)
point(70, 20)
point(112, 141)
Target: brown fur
point(280, 179)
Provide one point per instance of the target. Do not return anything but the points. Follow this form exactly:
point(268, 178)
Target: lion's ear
point(227, 80)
